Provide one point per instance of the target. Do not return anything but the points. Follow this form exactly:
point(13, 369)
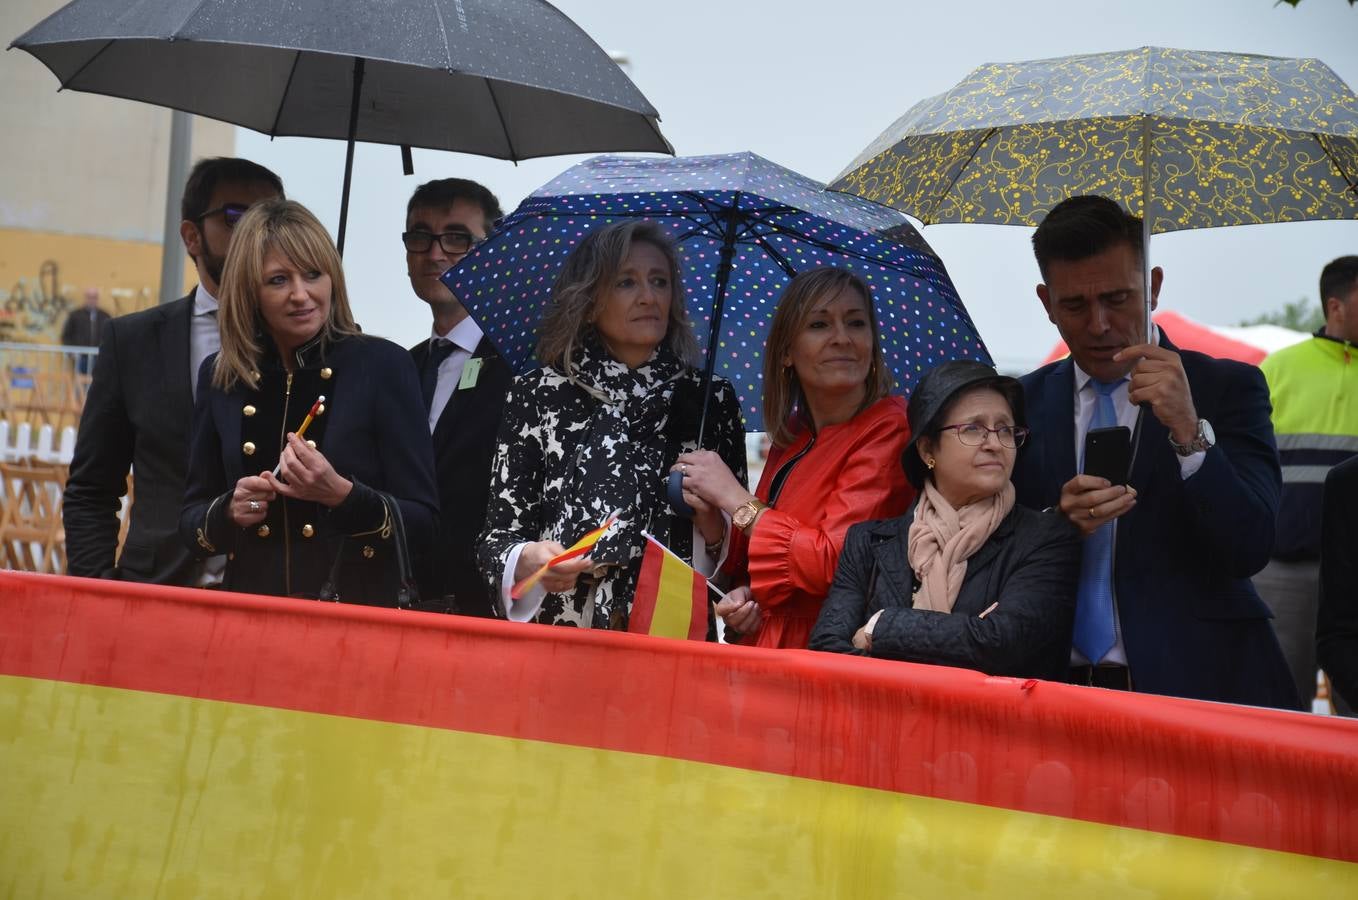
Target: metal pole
point(177, 172)
point(349, 153)
point(1146, 219)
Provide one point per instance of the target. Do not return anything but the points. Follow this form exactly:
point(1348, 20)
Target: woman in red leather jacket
point(837, 439)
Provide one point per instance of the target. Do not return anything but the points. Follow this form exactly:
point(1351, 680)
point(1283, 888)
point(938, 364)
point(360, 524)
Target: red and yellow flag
point(175, 743)
point(574, 551)
point(671, 597)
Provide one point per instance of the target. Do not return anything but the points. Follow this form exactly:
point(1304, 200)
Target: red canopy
point(1189, 335)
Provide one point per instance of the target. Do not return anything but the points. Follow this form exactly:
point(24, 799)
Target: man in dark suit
point(1165, 603)
point(1337, 621)
point(139, 408)
point(464, 382)
point(83, 327)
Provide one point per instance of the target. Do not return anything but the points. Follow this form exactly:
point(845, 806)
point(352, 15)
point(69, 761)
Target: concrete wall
point(82, 189)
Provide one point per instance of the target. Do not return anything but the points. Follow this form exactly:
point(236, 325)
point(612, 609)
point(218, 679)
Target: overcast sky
point(809, 85)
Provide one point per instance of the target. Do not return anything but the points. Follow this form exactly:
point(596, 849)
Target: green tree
point(1299, 315)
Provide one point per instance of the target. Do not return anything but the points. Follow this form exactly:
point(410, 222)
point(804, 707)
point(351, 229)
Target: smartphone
point(1108, 453)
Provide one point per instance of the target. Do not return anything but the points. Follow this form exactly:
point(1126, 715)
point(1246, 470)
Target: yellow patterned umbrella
point(1183, 138)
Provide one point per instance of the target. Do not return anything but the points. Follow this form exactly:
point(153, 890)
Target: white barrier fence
point(44, 444)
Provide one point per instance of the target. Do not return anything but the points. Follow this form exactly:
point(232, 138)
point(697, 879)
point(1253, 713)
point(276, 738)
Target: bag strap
point(407, 591)
point(408, 594)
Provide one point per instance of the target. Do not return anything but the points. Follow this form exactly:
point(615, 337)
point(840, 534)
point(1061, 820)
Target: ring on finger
point(1091, 513)
point(683, 469)
point(254, 506)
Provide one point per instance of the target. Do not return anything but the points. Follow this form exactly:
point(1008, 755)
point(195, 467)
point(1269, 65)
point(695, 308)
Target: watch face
point(1206, 433)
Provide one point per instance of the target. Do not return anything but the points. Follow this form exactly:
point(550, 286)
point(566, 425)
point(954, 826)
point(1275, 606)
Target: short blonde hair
point(782, 391)
point(289, 228)
point(593, 264)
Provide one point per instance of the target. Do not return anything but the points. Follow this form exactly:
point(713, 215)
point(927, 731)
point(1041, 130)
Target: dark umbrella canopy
point(744, 226)
point(511, 79)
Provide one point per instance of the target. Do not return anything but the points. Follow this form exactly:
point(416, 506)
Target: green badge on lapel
point(470, 372)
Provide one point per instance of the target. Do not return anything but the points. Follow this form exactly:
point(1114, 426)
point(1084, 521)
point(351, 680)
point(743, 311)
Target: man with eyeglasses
point(139, 409)
point(1165, 603)
point(464, 382)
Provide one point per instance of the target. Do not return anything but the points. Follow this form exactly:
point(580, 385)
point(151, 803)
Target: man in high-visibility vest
point(1313, 386)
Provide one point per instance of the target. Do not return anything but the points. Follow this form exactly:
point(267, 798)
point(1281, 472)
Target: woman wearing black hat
point(966, 577)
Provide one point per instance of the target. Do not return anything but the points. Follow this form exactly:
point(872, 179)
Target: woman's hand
point(250, 501)
point(305, 474)
point(710, 483)
point(559, 578)
point(860, 639)
point(739, 610)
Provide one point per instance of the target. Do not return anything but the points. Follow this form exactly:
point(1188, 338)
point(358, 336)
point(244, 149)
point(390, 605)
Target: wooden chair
point(31, 535)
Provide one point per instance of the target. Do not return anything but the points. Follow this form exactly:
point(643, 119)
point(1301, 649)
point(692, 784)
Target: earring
point(929, 463)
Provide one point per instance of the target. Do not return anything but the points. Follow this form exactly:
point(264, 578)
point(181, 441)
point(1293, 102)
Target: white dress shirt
point(1086, 397)
point(465, 335)
point(204, 337)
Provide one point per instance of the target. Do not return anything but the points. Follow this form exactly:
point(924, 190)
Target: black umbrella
point(511, 79)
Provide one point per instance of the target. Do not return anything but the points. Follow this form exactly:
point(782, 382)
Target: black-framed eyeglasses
point(974, 435)
point(453, 242)
point(231, 213)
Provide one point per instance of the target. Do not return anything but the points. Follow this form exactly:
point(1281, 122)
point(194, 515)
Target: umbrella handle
point(675, 491)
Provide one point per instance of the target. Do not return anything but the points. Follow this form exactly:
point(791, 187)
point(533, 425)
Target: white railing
point(17, 441)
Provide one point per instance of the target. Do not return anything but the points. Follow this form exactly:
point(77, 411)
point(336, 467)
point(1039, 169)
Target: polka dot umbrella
point(744, 227)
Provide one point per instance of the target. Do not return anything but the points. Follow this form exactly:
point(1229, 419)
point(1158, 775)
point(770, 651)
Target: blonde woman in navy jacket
point(288, 336)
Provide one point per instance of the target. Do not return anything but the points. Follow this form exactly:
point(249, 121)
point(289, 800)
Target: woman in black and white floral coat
point(596, 430)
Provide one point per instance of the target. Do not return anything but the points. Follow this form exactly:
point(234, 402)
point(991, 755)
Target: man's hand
point(1092, 502)
point(1158, 378)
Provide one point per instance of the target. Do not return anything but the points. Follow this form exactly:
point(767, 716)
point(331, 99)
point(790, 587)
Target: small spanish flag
point(671, 597)
point(574, 551)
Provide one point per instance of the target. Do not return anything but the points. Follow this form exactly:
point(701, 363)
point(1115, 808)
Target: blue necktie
point(1094, 633)
point(429, 376)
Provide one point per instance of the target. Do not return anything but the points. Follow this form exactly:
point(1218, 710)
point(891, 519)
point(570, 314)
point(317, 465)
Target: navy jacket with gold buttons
point(374, 432)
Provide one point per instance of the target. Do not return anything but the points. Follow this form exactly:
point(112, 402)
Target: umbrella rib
point(1335, 161)
point(976, 148)
point(283, 97)
point(504, 126)
point(86, 64)
point(776, 256)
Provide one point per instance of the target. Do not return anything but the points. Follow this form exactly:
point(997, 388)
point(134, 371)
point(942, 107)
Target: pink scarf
point(942, 539)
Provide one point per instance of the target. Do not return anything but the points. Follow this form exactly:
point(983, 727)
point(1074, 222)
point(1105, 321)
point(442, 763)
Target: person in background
point(84, 327)
point(463, 381)
point(304, 517)
point(837, 440)
point(595, 431)
point(1165, 603)
point(1313, 387)
point(967, 577)
point(139, 408)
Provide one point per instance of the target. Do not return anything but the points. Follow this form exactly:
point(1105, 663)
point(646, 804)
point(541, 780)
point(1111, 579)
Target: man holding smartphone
point(1165, 603)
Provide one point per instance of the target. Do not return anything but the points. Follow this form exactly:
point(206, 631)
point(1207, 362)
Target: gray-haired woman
point(595, 431)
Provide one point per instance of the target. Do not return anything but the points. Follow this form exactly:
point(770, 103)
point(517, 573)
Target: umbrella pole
point(727, 262)
point(349, 153)
point(731, 220)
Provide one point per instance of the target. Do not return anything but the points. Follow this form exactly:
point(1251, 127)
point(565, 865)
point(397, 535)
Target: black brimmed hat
point(936, 392)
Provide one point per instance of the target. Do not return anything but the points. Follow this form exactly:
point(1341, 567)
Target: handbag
point(407, 592)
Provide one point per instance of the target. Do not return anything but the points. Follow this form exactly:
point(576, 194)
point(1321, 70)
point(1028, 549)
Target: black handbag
point(407, 592)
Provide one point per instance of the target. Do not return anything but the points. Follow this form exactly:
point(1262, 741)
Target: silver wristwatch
point(1203, 440)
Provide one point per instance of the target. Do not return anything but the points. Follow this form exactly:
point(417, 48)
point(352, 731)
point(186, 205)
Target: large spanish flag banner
point(171, 743)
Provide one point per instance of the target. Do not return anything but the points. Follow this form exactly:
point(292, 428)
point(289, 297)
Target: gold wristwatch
point(745, 514)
